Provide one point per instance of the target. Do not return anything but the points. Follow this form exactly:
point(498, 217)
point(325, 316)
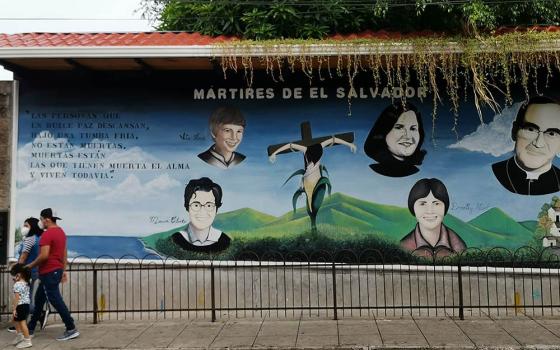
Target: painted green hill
point(346, 217)
point(151, 240)
point(495, 220)
point(481, 238)
point(385, 218)
point(386, 221)
point(242, 220)
point(345, 213)
point(236, 220)
point(530, 225)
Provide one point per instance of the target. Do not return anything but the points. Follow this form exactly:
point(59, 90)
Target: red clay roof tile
point(188, 39)
point(108, 39)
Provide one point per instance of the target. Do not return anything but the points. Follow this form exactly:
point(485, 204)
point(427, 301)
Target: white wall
point(6, 74)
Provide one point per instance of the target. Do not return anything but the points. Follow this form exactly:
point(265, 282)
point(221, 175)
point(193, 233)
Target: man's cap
point(49, 213)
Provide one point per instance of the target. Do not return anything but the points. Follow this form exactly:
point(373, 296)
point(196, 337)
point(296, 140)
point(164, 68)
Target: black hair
point(520, 117)
point(313, 153)
point(206, 185)
point(34, 229)
point(423, 187)
point(375, 146)
point(22, 270)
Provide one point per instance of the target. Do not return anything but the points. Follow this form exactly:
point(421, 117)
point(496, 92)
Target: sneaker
point(69, 335)
point(25, 343)
point(19, 339)
point(12, 329)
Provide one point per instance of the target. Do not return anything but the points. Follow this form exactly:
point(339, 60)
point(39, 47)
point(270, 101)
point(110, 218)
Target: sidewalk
point(396, 333)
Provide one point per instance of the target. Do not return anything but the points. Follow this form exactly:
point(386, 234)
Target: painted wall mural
point(203, 169)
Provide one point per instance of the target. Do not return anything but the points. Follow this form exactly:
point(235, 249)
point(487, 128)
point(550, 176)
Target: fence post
point(334, 289)
point(212, 292)
point(95, 306)
point(461, 306)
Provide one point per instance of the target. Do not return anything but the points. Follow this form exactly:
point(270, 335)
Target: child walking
point(21, 276)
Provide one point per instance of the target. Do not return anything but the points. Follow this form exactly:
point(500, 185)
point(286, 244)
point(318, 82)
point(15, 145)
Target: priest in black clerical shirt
point(536, 132)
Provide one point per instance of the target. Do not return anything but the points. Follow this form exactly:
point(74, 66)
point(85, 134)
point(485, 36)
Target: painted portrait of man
point(202, 199)
point(227, 126)
point(536, 133)
point(428, 201)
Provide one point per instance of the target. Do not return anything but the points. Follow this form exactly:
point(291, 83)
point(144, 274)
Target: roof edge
point(251, 50)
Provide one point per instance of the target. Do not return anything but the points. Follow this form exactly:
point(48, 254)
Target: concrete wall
point(6, 119)
point(288, 292)
point(7, 100)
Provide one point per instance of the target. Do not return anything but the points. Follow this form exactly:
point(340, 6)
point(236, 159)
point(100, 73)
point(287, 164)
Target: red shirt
point(56, 239)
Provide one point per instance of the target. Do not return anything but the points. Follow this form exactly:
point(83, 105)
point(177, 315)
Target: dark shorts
point(22, 311)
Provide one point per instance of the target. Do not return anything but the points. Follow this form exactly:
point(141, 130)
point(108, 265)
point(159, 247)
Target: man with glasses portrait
point(536, 133)
point(202, 198)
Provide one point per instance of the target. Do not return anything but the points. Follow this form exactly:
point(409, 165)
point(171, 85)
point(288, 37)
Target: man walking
point(52, 265)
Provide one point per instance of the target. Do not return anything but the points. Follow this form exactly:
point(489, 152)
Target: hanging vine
point(487, 67)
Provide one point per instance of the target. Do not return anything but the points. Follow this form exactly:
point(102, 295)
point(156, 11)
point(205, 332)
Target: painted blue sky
point(125, 204)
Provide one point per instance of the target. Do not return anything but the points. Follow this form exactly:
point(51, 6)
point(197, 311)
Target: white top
point(22, 288)
point(312, 169)
point(224, 163)
point(532, 175)
point(212, 236)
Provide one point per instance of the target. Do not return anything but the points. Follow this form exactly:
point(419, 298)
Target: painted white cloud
point(493, 138)
point(26, 163)
point(129, 155)
point(29, 179)
point(132, 189)
point(61, 187)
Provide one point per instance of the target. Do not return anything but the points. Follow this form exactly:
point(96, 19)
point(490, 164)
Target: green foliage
point(308, 243)
point(316, 19)
point(328, 243)
point(544, 223)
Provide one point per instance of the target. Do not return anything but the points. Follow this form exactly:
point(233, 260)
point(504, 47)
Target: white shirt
point(532, 175)
point(212, 236)
point(224, 162)
point(22, 289)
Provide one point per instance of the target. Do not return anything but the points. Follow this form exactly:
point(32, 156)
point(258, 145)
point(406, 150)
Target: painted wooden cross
point(308, 140)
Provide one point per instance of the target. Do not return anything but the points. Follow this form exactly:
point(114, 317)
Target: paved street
point(396, 333)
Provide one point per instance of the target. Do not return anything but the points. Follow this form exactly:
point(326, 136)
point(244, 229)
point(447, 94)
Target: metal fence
point(338, 285)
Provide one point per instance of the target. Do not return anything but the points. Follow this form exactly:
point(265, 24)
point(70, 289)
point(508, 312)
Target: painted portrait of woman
point(395, 141)
point(428, 201)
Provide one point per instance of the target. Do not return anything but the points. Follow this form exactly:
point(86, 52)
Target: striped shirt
point(28, 243)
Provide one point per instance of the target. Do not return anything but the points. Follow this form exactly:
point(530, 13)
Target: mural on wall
point(314, 176)
point(227, 126)
point(395, 141)
point(130, 178)
point(428, 201)
point(202, 200)
point(536, 133)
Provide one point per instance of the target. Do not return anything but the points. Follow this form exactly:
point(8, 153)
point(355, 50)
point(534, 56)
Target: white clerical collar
point(212, 237)
point(532, 175)
point(221, 158)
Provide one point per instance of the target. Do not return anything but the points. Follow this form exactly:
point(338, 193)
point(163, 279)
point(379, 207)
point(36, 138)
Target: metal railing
point(342, 284)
